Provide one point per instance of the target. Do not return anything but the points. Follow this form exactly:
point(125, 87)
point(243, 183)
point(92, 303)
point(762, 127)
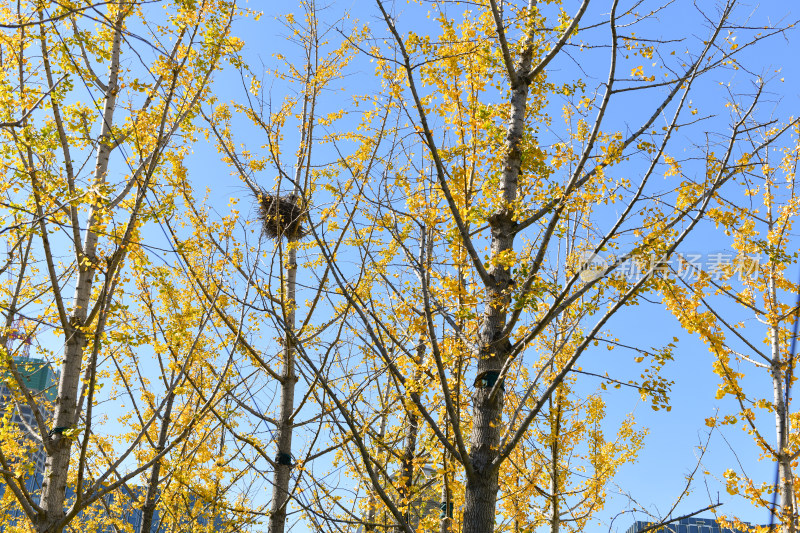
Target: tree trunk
point(782, 420)
point(785, 475)
point(149, 507)
point(372, 506)
point(283, 459)
point(482, 487)
point(446, 519)
point(555, 435)
point(56, 467)
point(65, 415)
point(406, 480)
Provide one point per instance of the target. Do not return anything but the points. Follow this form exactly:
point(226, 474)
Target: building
point(686, 525)
point(42, 383)
point(117, 511)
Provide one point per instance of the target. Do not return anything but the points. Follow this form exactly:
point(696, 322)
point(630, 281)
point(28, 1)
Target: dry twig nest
point(282, 216)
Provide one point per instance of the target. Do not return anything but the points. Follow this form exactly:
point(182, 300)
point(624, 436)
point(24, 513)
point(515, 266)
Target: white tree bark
point(66, 414)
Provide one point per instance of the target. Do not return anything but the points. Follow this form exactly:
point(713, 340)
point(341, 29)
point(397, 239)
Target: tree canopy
point(368, 269)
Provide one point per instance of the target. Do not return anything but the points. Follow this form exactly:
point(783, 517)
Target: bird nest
point(282, 216)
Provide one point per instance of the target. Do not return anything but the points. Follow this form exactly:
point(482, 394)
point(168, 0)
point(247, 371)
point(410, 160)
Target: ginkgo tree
point(98, 102)
point(560, 474)
point(189, 485)
point(429, 290)
point(268, 269)
point(746, 311)
point(507, 153)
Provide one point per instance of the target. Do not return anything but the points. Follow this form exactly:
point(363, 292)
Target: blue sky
point(670, 450)
point(671, 446)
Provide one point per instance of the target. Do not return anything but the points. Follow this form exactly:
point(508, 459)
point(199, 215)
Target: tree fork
point(482, 488)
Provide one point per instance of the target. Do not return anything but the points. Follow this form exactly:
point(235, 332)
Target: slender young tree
point(745, 309)
point(187, 485)
point(85, 160)
point(260, 273)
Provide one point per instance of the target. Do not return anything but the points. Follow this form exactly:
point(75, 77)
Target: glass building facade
point(685, 525)
point(114, 512)
point(42, 382)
